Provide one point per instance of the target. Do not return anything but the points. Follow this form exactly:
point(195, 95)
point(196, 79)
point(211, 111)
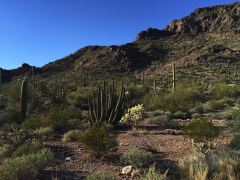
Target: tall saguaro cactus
point(106, 106)
point(173, 76)
point(23, 98)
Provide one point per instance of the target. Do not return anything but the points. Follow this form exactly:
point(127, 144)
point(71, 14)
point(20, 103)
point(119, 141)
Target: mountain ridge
point(151, 45)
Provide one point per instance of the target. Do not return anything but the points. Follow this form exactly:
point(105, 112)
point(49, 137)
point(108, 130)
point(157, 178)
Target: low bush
point(27, 148)
point(71, 135)
point(98, 139)
point(221, 90)
point(201, 130)
point(44, 131)
point(26, 166)
point(216, 164)
point(235, 142)
point(183, 99)
point(101, 175)
point(153, 174)
point(137, 157)
point(12, 116)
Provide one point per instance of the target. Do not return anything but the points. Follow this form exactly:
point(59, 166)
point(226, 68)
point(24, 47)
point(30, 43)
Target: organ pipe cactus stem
point(173, 76)
point(24, 98)
point(105, 106)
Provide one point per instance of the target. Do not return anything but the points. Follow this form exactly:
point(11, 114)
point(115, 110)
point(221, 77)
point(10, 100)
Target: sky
point(40, 31)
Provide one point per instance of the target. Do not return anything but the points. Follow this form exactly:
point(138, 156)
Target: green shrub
point(71, 135)
point(201, 130)
point(34, 122)
point(182, 99)
point(153, 174)
point(12, 116)
point(27, 148)
point(137, 157)
point(98, 139)
point(44, 131)
point(26, 166)
point(80, 98)
point(58, 118)
point(6, 150)
point(101, 175)
point(196, 115)
point(180, 115)
point(235, 142)
point(218, 164)
point(221, 90)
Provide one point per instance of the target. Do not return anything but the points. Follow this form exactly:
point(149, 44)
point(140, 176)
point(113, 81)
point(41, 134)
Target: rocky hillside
point(183, 40)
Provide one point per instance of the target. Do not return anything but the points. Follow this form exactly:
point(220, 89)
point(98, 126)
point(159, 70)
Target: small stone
point(127, 170)
point(68, 159)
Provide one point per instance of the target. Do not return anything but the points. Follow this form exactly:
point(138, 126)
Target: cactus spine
point(106, 107)
point(173, 76)
point(23, 98)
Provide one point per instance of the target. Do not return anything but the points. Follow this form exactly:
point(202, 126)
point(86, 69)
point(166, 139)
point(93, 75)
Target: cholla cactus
point(134, 115)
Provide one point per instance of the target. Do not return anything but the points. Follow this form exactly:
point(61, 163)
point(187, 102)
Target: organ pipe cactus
point(23, 98)
point(106, 106)
point(173, 76)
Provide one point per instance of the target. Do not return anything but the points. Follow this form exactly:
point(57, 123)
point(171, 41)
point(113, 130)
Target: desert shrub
point(180, 115)
point(153, 174)
point(221, 90)
point(152, 101)
point(134, 115)
point(27, 148)
point(235, 142)
point(136, 131)
point(183, 99)
point(58, 118)
point(33, 122)
point(98, 139)
point(12, 91)
point(80, 98)
point(101, 175)
point(71, 135)
point(197, 109)
point(44, 131)
point(213, 105)
point(196, 115)
point(2, 101)
point(135, 94)
point(201, 130)
point(26, 166)
point(217, 164)
point(6, 150)
point(233, 115)
point(12, 116)
point(194, 166)
point(137, 157)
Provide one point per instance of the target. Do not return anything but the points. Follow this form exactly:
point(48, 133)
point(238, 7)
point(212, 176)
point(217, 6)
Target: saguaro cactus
point(106, 107)
point(173, 76)
point(23, 98)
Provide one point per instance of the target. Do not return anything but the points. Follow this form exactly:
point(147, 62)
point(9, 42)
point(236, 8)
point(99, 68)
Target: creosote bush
point(98, 139)
point(71, 135)
point(101, 175)
point(201, 130)
point(25, 166)
point(137, 157)
point(153, 174)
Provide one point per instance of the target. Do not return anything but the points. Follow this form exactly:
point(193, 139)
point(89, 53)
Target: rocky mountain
point(183, 40)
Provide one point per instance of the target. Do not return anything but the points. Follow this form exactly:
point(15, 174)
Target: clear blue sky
point(40, 31)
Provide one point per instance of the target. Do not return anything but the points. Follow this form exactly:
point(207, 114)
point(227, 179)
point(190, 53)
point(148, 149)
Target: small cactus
point(23, 98)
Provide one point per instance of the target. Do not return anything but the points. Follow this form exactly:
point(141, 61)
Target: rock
point(127, 170)
point(68, 159)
